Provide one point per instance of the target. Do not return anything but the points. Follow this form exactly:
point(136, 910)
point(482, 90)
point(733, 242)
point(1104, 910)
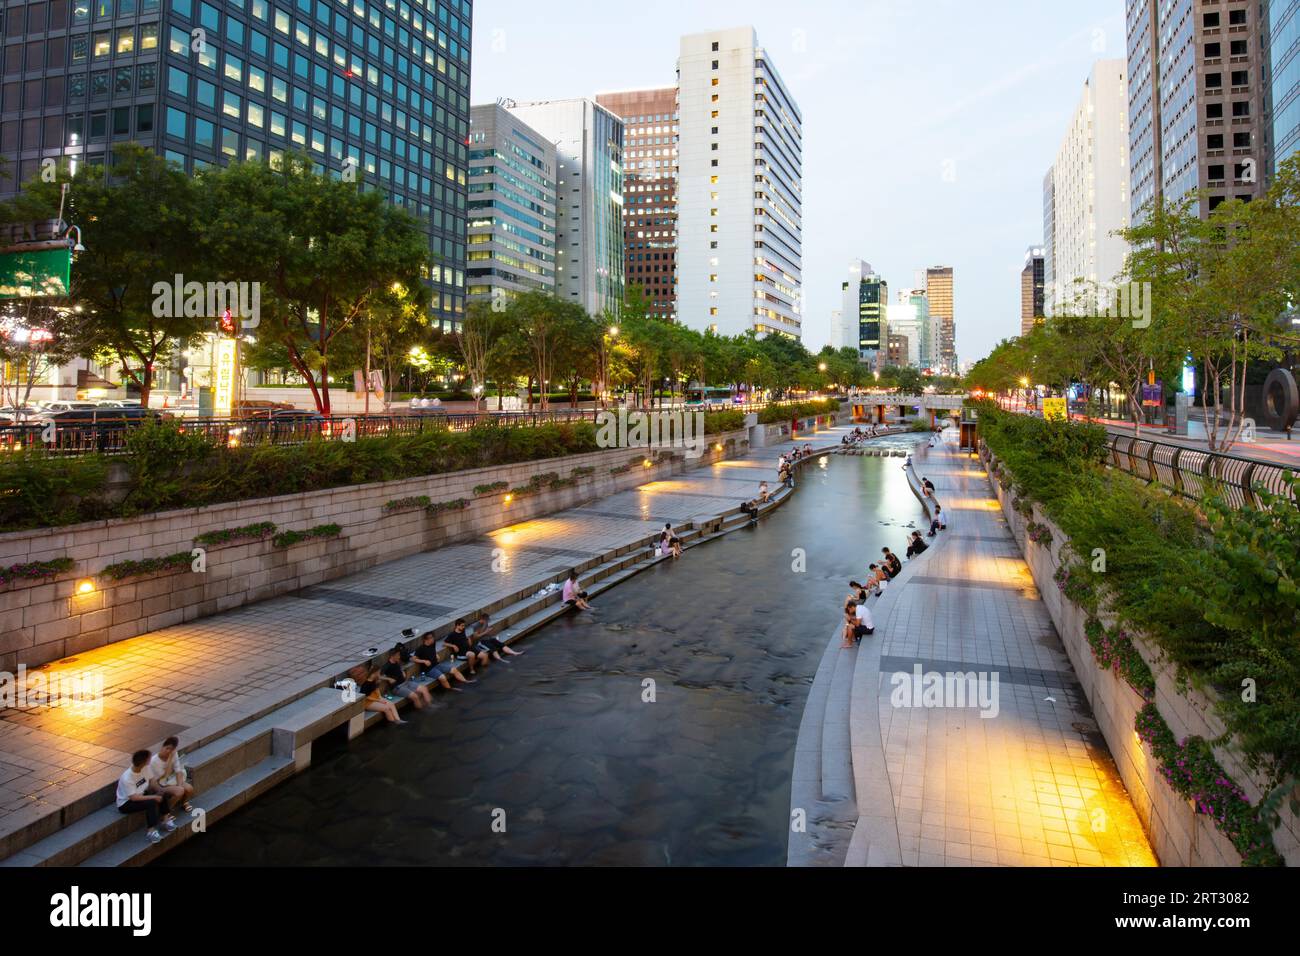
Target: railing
point(109, 437)
point(1192, 472)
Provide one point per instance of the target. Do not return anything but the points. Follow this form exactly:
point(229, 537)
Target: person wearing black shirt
point(425, 657)
point(394, 676)
point(892, 562)
point(463, 648)
point(483, 631)
point(916, 544)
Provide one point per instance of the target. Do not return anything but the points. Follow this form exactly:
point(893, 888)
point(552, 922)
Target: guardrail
point(1192, 472)
point(108, 437)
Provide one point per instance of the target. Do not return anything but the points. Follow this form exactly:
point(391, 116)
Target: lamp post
point(606, 340)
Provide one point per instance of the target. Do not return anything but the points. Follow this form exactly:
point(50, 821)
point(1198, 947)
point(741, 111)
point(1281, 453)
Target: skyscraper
point(906, 324)
point(864, 307)
point(649, 193)
point(1031, 290)
point(939, 294)
point(511, 206)
point(1284, 54)
point(381, 89)
point(588, 142)
point(1197, 98)
point(1089, 193)
point(740, 171)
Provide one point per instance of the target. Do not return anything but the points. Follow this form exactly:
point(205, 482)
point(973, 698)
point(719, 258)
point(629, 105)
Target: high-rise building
point(1284, 55)
point(864, 309)
point(649, 193)
point(511, 206)
point(1197, 98)
point(1032, 290)
point(81, 75)
point(1090, 182)
point(588, 142)
point(897, 352)
point(939, 295)
point(907, 318)
point(740, 185)
point(842, 336)
point(1049, 229)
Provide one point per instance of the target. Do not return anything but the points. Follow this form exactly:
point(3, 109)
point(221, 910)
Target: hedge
point(169, 468)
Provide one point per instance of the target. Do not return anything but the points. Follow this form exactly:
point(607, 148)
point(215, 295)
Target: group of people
point(859, 435)
point(785, 465)
point(858, 622)
point(408, 673)
point(156, 785)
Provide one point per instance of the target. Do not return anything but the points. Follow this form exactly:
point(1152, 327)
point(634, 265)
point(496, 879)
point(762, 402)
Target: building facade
point(511, 240)
point(1284, 55)
point(1032, 290)
point(1198, 95)
point(380, 88)
point(907, 319)
point(939, 297)
point(897, 352)
point(740, 186)
point(588, 141)
point(1090, 188)
point(649, 193)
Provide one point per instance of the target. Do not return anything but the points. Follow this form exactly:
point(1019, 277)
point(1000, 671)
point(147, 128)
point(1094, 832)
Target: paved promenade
point(944, 786)
point(197, 678)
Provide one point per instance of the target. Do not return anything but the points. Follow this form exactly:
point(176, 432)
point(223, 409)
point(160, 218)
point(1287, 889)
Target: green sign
point(44, 272)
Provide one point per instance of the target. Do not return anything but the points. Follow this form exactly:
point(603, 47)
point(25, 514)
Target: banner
point(45, 272)
point(1054, 410)
point(227, 360)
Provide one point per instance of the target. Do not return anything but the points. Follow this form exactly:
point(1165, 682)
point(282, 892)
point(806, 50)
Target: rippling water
point(562, 747)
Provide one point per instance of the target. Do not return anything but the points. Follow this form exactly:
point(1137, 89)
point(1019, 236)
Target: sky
point(927, 124)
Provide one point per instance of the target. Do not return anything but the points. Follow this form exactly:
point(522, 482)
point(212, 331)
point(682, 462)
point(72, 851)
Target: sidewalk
point(1033, 785)
point(191, 680)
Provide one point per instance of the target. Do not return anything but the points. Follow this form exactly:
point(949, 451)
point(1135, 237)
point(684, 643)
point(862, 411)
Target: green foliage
point(179, 561)
point(438, 507)
point(38, 491)
point(287, 539)
point(177, 469)
point(717, 422)
point(492, 488)
point(249, 532)
point(1192, 771)
point(776, 414)
point(35, 570)
point(403, 504)
point(1115, 650)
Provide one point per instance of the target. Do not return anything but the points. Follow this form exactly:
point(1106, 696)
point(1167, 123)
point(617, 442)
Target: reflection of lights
point(85, 587)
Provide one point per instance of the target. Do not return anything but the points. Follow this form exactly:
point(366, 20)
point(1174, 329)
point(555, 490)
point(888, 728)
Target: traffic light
point(227, 323)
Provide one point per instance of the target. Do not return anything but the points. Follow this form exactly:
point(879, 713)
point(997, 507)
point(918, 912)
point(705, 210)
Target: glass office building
point(1284, 32)
point(378, 86)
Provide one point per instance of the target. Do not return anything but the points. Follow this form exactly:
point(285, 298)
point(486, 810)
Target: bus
point(709, 398)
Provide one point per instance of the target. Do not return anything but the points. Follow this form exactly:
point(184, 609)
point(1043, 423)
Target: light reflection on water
point(585, 770)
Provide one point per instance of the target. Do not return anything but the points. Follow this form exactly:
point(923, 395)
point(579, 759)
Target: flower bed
point(181, 560)
point(249, 532)
point(35, 570)
point(286, 539)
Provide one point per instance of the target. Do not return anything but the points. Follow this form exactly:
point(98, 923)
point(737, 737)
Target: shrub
point(287, 538)
point(777, 414)
point(226, 535)
point(181, 560)
point(438, 507)
point(35, 570)
point(39, 490)
point(728, 421)
point(491, 489)
point(402, 504)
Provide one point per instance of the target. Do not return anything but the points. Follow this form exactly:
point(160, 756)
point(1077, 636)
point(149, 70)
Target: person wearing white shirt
point(169, 778)
point(133, 796)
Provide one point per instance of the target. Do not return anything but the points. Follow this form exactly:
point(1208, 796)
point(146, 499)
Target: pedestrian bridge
point(877, 406)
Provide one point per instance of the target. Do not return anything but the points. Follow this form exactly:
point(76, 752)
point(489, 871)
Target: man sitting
point(916, 544)
point(425, 657)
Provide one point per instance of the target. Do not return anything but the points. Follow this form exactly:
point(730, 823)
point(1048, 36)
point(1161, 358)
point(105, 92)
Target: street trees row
point(327, 255)
point(1220, 289)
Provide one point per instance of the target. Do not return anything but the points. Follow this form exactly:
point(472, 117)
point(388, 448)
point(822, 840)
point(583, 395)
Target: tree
point(137, 231)
point(325, 251)
point(37, 335)
point(543, 321)
point(478, 333)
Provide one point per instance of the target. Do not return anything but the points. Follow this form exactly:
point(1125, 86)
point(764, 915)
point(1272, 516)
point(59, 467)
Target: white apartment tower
point(1089, 194)
point(739, 203)
point(589, 198)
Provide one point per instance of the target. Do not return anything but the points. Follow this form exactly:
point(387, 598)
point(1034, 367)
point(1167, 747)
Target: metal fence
point(1193, 473)
point(108, 435)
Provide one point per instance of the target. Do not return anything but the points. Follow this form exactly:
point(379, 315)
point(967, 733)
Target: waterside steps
point(234, 764)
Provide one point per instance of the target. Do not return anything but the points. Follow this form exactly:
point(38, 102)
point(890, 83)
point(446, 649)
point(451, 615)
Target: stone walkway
point(199, 677)
point(1033, 785)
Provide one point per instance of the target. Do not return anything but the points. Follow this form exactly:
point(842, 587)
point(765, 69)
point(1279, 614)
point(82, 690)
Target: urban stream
point(562, 757)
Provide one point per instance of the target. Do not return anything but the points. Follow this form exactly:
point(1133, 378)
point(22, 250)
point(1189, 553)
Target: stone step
point(806, 779)
point(134, 848)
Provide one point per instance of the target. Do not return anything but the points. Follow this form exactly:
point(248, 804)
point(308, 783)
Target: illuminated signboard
point(227, 359)
point(1054, 410)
